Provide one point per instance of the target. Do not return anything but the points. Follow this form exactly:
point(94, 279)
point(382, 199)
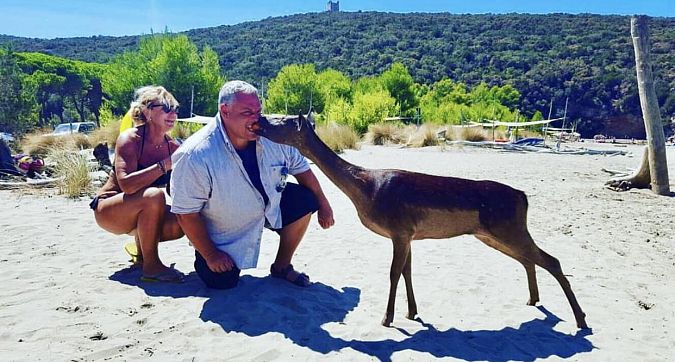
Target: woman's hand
point(167, 164)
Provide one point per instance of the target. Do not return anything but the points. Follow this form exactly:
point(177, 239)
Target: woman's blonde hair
point(145, 96)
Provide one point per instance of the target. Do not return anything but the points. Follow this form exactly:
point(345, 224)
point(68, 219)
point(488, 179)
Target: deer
point(405, 206)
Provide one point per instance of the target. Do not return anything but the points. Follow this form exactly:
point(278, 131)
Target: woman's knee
point(154, 197)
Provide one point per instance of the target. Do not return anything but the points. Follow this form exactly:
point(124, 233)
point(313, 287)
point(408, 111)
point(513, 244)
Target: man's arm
point(325, 214)
point(194, 228)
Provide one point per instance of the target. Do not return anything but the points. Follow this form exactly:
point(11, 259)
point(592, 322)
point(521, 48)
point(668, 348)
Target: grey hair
point(230, 90)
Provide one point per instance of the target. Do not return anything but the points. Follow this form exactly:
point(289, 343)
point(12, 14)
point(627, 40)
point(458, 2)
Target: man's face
point(239, 116)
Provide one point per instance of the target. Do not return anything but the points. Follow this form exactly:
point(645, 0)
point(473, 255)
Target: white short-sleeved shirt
point(208, 177)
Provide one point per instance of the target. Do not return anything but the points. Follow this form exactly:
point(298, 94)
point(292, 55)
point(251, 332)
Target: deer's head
point(288, 130)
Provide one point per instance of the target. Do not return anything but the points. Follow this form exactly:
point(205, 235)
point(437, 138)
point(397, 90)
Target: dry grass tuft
point(73, 170)
point(338, 137)
point(107, 134)
point(182, 130)
point(39, 143)
point(384, 133)
point(78, 141)
point(473, 134)
point(426, 135)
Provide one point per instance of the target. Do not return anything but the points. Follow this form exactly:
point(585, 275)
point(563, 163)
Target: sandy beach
point(69, 293)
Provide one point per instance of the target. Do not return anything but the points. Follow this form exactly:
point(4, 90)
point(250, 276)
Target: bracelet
point(161, 167)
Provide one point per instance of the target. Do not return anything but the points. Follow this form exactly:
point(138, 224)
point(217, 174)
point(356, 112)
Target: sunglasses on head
point(165, 108)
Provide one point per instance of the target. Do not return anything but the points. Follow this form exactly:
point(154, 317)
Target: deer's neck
point(353, 180)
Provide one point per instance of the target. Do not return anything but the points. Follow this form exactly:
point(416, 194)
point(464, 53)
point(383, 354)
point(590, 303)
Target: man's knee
point(226, 280)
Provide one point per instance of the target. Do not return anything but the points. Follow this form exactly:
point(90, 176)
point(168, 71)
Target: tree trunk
point(79, 109)
point(658, 165)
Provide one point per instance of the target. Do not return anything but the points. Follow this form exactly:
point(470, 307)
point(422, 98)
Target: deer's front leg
point(401, 250)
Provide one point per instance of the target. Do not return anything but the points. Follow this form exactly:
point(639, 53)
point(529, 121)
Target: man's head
point(239, 109)
point(231, 89)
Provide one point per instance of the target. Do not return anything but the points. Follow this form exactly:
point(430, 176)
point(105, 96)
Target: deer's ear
point(310, 119)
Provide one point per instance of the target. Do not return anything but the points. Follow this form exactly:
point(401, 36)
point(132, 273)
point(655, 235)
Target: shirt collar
point(221, 128)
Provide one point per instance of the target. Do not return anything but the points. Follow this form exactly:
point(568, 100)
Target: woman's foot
point(163, 275)
point(135, 256)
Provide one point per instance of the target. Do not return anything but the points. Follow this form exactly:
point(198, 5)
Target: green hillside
point(587, 59)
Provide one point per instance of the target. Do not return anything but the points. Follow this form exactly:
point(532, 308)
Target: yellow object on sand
point(132, 250)
point(127, 122)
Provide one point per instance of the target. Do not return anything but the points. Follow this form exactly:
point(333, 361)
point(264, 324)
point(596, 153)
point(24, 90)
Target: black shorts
point(94, 203)
point(296, 202)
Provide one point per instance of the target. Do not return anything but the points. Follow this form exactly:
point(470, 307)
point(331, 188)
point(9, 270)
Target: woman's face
point(161, 114)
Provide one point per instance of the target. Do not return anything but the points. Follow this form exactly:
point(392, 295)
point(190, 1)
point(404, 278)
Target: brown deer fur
point(406, 206)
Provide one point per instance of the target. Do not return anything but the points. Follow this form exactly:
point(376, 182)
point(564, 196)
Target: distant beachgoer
point(132, 201)
point(229, 183)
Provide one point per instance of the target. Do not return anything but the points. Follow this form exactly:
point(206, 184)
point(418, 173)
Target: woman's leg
point(170, 229)
point(143, 213)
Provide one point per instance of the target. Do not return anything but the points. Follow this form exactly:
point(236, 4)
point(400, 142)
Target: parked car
point(7, 137)
point(74, 127)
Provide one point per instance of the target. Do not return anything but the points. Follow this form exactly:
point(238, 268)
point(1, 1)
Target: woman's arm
point(129, 178)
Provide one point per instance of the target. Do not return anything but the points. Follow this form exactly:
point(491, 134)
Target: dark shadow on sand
point(258, 306)
point(190, 287)
point(263, 305)
point(530, 341)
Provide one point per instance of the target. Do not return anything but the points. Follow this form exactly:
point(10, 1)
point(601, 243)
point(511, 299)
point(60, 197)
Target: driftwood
point(29, 183)
point(640, 178)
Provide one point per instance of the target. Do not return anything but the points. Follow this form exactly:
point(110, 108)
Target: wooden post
point(658, 165)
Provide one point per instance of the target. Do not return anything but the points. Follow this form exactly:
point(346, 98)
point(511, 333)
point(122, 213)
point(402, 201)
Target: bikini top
point(165, 178)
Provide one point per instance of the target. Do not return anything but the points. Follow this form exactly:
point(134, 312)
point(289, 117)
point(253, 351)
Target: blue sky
point(69, 18)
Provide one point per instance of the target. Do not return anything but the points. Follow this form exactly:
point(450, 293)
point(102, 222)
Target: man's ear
point(223, 109)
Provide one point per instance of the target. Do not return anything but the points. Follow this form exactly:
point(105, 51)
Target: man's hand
point(194, 228)
point(219, 262)
point(325, 215)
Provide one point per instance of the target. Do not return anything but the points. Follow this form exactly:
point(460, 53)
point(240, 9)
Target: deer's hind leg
point(398, 262)
point(522, 245)
point(527, 264)
point(552, 265)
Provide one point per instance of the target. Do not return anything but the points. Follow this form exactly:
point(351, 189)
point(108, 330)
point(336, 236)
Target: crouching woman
point(132, 201)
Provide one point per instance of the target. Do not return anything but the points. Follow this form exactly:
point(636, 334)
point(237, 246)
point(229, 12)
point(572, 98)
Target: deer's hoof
point(387, 321)
point(411, 315)
point(532, 301)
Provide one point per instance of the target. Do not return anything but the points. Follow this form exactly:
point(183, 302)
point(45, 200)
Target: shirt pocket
point(278, 176)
